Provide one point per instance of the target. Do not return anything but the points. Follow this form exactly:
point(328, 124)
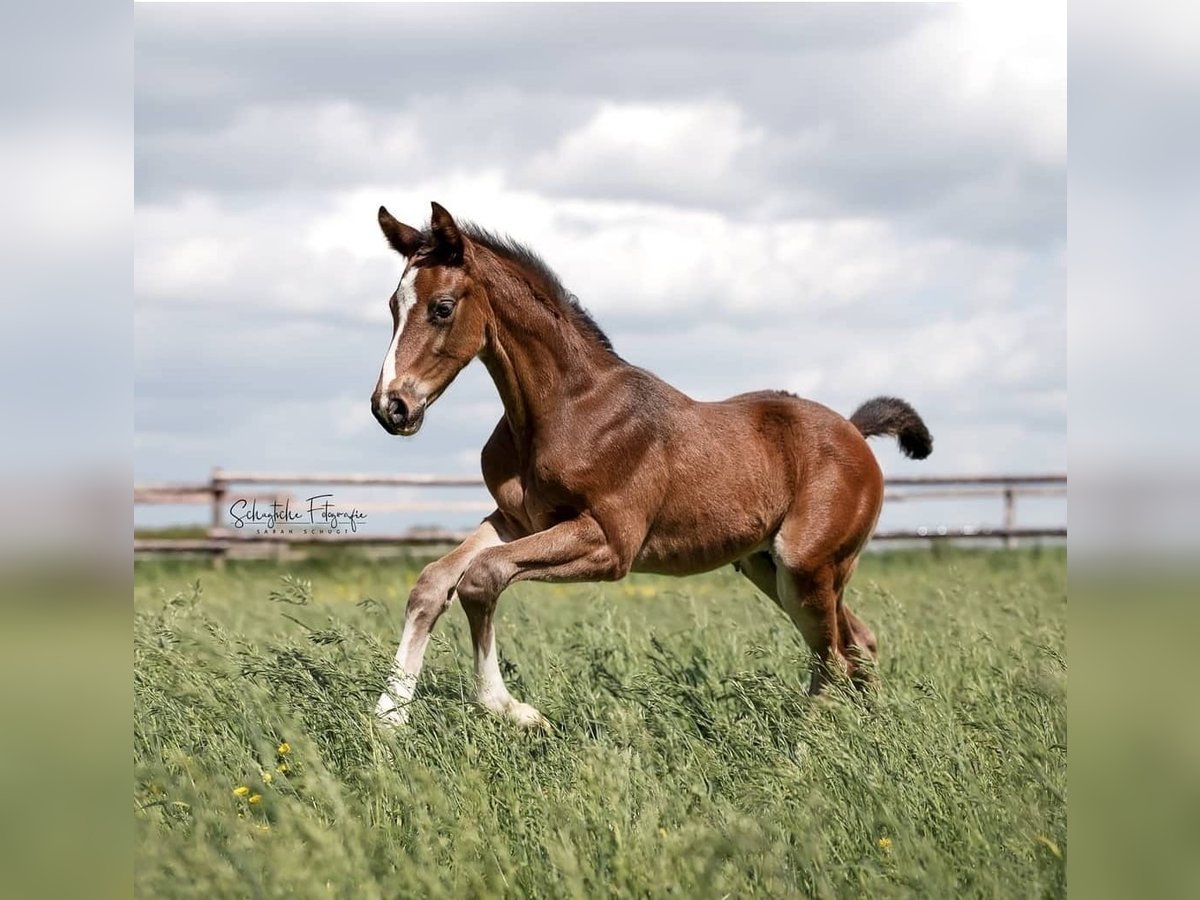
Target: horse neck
point(541, 364)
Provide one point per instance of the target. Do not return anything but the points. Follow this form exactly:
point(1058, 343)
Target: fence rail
point(220, 539)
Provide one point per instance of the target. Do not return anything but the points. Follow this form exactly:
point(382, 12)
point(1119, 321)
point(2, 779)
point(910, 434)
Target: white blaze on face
point(406, 299)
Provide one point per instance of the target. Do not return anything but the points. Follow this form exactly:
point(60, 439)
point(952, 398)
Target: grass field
point(686, 759)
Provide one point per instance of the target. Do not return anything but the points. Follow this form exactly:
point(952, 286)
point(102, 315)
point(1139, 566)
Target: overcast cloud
point(838, 200)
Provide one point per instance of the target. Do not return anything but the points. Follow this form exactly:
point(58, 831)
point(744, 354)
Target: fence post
point(219, 490)
point(1010, 516)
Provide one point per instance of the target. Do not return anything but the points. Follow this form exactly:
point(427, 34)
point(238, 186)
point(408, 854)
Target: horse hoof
point(390, 717)
point(528, 717)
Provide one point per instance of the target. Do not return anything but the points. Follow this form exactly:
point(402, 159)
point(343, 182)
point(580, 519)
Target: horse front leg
point(576, 550)
point(430, 597)
point(492, 692)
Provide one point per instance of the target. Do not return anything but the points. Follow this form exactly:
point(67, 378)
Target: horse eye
point(444, 309)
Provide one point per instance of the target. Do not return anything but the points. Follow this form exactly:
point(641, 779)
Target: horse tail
point(889, 415)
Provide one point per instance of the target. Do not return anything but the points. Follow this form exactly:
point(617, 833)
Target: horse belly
point(727, 495)
point(707, 536)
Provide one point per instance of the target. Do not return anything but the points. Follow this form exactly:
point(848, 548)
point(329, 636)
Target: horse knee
point(605, 559)
point(609, 564)
point(482, 583)
point(430, 596)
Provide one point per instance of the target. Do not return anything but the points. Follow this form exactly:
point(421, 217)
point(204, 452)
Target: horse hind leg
point(863, 637)
point(782, 587)
point(841, 639)
point(810, 600)
point(811, 593)
point(759, 569)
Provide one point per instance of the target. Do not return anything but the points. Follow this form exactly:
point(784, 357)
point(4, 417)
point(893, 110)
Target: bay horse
point(599, 468)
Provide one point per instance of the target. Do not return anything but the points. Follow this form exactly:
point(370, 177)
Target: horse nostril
point(397, 411)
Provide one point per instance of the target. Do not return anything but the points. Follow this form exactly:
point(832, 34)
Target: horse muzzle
point(397, 415)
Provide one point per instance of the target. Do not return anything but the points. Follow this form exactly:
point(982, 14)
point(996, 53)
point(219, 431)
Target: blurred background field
point(686, 759)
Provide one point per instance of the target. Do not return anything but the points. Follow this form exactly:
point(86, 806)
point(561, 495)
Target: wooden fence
point(221, 538)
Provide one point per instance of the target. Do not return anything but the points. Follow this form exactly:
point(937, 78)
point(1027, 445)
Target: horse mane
point(535, 268)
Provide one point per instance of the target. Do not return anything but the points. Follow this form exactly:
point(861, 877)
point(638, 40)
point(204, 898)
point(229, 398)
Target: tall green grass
point(685, 760)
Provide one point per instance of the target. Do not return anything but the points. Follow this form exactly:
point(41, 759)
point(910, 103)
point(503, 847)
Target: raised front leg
point(492, 692)
point(429, 598)
point(576, 550)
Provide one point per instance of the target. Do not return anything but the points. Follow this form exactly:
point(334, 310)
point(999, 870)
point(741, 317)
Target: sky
point(842, 201)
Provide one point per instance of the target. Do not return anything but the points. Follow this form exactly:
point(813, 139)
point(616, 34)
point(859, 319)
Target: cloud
point(632, 260)
point(270, 255)
point(686, 152)
point(953, 118)
point(286, 146)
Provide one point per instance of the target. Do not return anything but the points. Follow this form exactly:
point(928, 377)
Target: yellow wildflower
point(266, 777)
point(885, 844)
point(282, 767)
point(256, 798)
point(284, 749)
point(241, 790)
point(1050, 845)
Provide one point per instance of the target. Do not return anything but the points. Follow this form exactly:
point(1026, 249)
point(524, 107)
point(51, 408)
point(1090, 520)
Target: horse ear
point(404, 239)
point(447, 239)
